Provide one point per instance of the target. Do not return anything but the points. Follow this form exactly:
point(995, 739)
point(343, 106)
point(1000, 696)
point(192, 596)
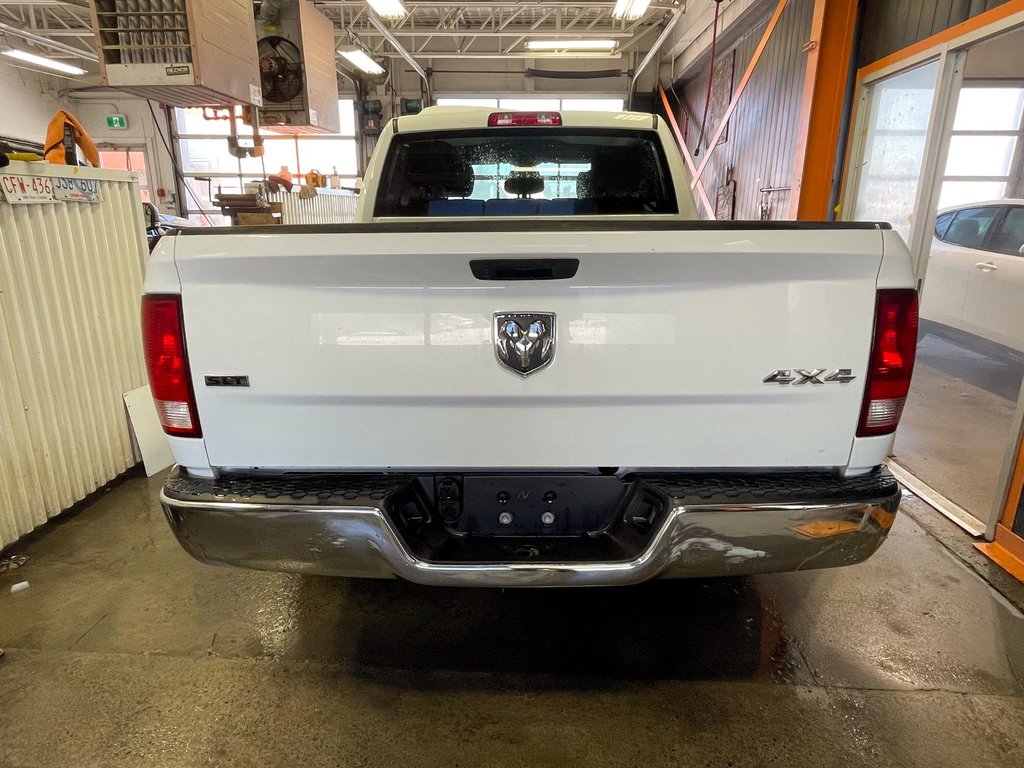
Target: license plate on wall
point(77, 190)
point(19, 188)
point(26, 189)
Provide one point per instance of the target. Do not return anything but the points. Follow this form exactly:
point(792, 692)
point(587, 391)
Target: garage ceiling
point(478, 30)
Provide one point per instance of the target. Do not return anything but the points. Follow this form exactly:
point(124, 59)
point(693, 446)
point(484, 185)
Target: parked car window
point(1009, 237)
point(942, 223)
point(970, 227)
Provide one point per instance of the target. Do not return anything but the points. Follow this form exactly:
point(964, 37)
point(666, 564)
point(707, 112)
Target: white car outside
point(975, 279)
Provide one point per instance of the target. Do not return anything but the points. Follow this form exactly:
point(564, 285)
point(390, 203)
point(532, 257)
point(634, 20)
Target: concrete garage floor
point(962, 403)
point(126, 652)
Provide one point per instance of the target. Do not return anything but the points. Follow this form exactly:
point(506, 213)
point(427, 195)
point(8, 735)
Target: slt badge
point(524, 341)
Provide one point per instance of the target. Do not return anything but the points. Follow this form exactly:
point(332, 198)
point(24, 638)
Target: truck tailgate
point(375, 349)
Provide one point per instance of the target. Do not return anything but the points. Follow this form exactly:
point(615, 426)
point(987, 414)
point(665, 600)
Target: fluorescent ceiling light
point(630, 9)
point(390, 9)
point(570, 45)
point(42, 61)
point(359, 59)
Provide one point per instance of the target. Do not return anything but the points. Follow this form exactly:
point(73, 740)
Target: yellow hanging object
point(54, 145)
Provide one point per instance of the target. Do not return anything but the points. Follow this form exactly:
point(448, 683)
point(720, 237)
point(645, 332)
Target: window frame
point(1017, 134)
point(949, 216)
point(192, 207)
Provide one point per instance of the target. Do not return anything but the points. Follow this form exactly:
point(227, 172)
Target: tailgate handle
point(524, 269)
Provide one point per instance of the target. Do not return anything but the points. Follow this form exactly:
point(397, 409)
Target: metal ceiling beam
point(481, 6)
point(595, 35)
point(432, 29)
point(403, 53)
point(651, 54)
point(7, 29)
point(500, 55)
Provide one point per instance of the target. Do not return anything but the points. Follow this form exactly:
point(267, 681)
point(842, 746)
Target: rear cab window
point(525, 172)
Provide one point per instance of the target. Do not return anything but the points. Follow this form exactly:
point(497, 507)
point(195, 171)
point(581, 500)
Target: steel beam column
point(829, 57)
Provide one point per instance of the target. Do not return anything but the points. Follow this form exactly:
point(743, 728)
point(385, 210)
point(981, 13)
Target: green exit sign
point(117, 122)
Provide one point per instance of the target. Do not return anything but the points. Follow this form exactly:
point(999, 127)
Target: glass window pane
point(592, 105)
point(203, 192)
point(191, 121)
point(967, 192)
point(970, 226)
point(277, 152)
point(325, 155)
point(209, 219)
point(346, 108)
point(529, 105)
point(207, 155)
point(900, 109)
point(458, 101)
point(1009, 238)
point(941, 223)
point(980, 155)
point(989, 109)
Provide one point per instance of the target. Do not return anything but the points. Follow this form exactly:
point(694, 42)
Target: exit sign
point(117, 122)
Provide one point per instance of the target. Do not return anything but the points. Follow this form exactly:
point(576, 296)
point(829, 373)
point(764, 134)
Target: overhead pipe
point(270, 11)
point(40, 40)
point(559, 75)
point(653, 52)
point(387, 35)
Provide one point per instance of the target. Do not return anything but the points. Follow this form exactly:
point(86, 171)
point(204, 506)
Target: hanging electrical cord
point(174, 164)
point(711, 78)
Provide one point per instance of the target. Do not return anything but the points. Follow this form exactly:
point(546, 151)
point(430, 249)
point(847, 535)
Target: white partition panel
point(329, 206)
point(70, 279)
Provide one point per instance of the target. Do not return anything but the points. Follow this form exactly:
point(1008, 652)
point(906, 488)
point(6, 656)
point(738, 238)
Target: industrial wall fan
point(280, 70)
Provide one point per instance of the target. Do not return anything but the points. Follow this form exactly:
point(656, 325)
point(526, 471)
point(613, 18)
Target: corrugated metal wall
point(328, 207)
point(70, 280)
point(763, 129)
point(892, 25)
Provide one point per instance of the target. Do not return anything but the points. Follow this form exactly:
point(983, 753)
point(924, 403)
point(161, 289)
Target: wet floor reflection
point(962, 404)
point(675, 630)
point(971, 359)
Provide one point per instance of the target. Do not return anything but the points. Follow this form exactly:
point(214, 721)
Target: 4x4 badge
point(799, 376)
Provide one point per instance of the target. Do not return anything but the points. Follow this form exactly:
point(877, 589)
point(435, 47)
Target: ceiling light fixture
point(571, 45)
point(42, 61)
point(630, 10)
point(361, 60)
point(390, 9)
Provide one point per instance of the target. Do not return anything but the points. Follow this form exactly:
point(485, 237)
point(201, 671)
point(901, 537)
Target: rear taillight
point(163, 338)
point(892, 362)
point(503, 119)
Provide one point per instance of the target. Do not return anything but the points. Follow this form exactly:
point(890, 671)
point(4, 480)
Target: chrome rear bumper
point(711, 527)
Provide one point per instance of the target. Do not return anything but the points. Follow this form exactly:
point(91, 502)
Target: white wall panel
point(29, 103)
point(70, 280)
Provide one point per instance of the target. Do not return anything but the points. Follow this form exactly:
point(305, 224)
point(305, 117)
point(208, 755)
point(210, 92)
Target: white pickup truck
point(529, 364)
